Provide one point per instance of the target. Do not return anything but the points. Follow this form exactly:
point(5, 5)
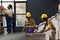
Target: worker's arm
point(47, 29)
point(43, 29)
point(49, 25)
point(6, 11)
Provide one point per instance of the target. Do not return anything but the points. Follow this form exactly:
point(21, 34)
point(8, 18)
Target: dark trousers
point(9, 21)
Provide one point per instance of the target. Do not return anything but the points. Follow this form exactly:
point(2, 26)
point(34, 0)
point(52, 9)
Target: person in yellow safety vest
point(30, 21)
point(49, 26)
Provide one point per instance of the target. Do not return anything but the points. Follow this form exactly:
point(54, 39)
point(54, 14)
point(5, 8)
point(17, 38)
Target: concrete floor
point(16, 36)
point(21, 36)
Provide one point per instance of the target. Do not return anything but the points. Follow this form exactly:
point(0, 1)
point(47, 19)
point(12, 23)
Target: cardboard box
point(1, 8)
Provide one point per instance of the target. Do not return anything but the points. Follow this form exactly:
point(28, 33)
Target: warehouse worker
point(48, 26)
point(30, 21)
point(9, 18)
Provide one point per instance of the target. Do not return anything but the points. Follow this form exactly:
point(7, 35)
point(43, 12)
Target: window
point(20, 8)
point(5, 4)
point(20, 20)
point(20, 0)
point(7, 0)
point(20, 11)
point(4, 22)
point(20, 14)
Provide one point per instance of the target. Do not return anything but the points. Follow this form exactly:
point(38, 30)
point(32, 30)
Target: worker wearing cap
point(29, 21)
point(48, 26)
